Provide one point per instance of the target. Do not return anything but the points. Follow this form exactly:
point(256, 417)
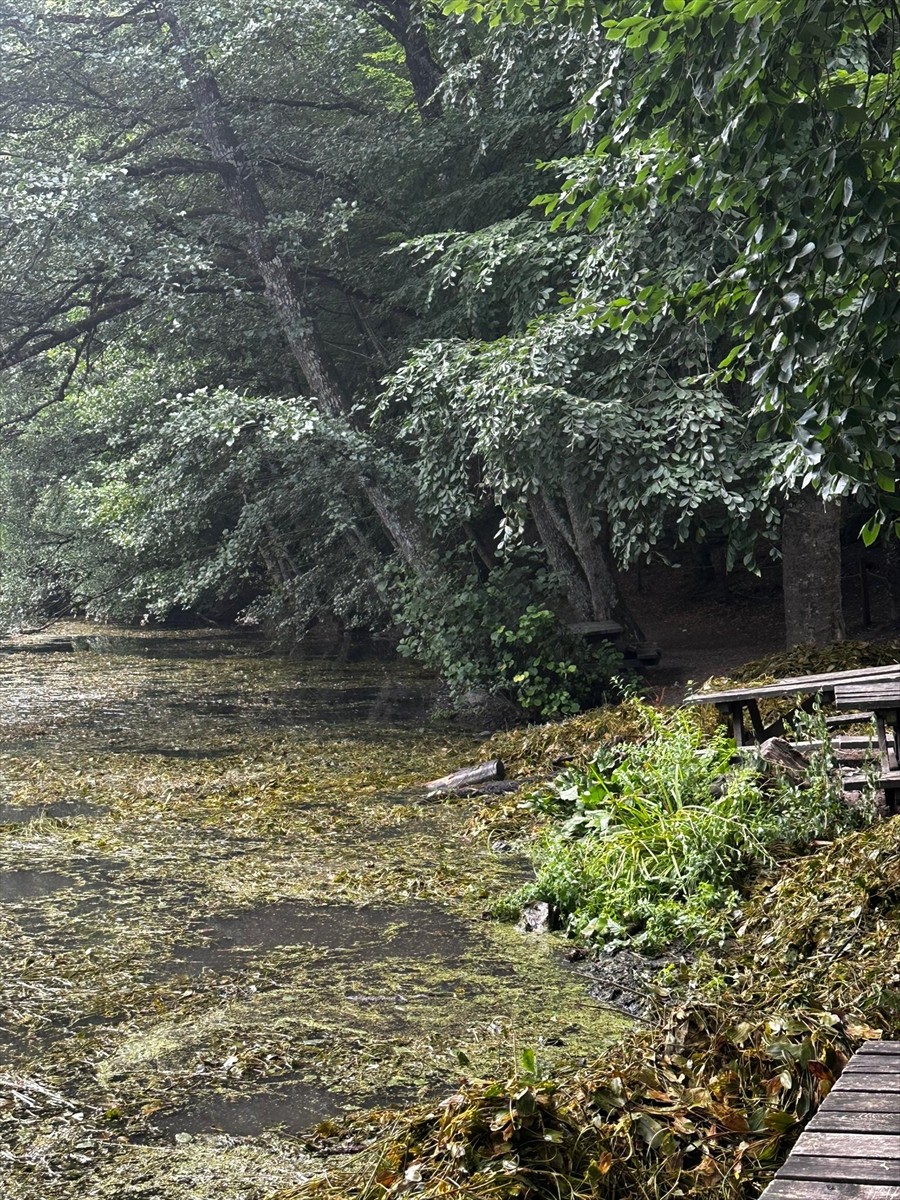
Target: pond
point(229, 912)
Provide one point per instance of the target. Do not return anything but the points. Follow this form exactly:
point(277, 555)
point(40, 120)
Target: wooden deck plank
point(849, 1101)
point(867, 1081)
point(856, 782)
point(850, 1150)
point(850, 1145)
point(797, 684)
point(832, 1120)
point(833, 1168)
point(867, 695)
point(807, 1189)
point(882, 1064)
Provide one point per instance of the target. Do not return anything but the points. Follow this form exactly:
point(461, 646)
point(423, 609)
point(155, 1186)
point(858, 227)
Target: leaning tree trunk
point(282, 282)
point(592, 548)
point(405, 22)
point(581, 560)
point(811, 568)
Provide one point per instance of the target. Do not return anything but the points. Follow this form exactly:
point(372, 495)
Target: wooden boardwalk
point(851, 1148)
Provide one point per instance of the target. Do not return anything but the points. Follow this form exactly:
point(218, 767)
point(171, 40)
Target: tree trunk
point(811, 570)
point(597, 564)
point(561, 556)
point(406, 24)
point(892, 572)
point(282, 282)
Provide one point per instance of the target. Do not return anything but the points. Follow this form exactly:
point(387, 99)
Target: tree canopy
point(332, 312)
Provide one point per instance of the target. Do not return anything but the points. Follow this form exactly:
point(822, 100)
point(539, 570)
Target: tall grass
point(652, 842)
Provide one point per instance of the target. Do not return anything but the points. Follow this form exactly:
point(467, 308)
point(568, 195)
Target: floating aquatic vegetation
point(242, 912)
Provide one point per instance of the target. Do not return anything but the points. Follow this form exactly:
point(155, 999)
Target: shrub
point(501, 635)
point(652, 841)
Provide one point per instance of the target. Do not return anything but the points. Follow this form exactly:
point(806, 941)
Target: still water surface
point(229, 911)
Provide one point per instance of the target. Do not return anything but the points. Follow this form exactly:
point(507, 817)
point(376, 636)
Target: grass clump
point(652, 842)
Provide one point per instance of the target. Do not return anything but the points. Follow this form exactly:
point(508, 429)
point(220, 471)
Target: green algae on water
point(230, 910)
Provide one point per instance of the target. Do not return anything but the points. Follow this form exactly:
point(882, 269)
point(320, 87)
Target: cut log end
point(781, 754)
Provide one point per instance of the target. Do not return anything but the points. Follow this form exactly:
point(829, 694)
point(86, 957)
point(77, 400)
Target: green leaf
point(870, 531)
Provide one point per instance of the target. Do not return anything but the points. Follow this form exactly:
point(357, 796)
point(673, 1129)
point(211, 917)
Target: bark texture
point(811, 568)
point(581, 558)
point(892, 572)
point(561, 556)
point(405, 23)
point(592, 548)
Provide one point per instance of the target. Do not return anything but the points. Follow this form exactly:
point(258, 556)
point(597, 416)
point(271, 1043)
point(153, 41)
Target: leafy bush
point(652, 841)
point(500, 635)
point(548, 672)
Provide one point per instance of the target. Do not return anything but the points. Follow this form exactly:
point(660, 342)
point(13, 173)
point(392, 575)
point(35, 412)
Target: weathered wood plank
point(873, 694)
point(808, 1189)
point(597, 630)
point(866, 1081)
point(850, 1150)
point(797, 684)
point(849, 1145)
point(828, 1120)
point(836, 1169)
point(880, 1064)
point(852, 783)
point(850, 1101)
point(840, 743)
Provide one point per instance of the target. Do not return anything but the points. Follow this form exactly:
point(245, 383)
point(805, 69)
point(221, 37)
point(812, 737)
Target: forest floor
point(706, 629)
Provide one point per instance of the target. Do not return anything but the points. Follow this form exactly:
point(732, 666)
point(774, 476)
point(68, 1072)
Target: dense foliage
point(284, 334)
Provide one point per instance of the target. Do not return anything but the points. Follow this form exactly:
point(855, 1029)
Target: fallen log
point(781, 754)
point(485, 772)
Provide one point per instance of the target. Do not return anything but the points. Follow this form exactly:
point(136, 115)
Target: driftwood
point(781, 754)
point(485, 772)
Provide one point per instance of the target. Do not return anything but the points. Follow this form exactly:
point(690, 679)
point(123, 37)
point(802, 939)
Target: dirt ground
point(707, 627)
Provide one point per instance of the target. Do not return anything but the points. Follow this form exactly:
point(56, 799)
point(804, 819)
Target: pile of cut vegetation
point(708, 1098)
point(544, 748)
point(811, 660)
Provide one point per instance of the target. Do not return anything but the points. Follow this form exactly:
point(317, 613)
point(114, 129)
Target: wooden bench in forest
point(733, 703)
point(850, 1150)
point(881, 698)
